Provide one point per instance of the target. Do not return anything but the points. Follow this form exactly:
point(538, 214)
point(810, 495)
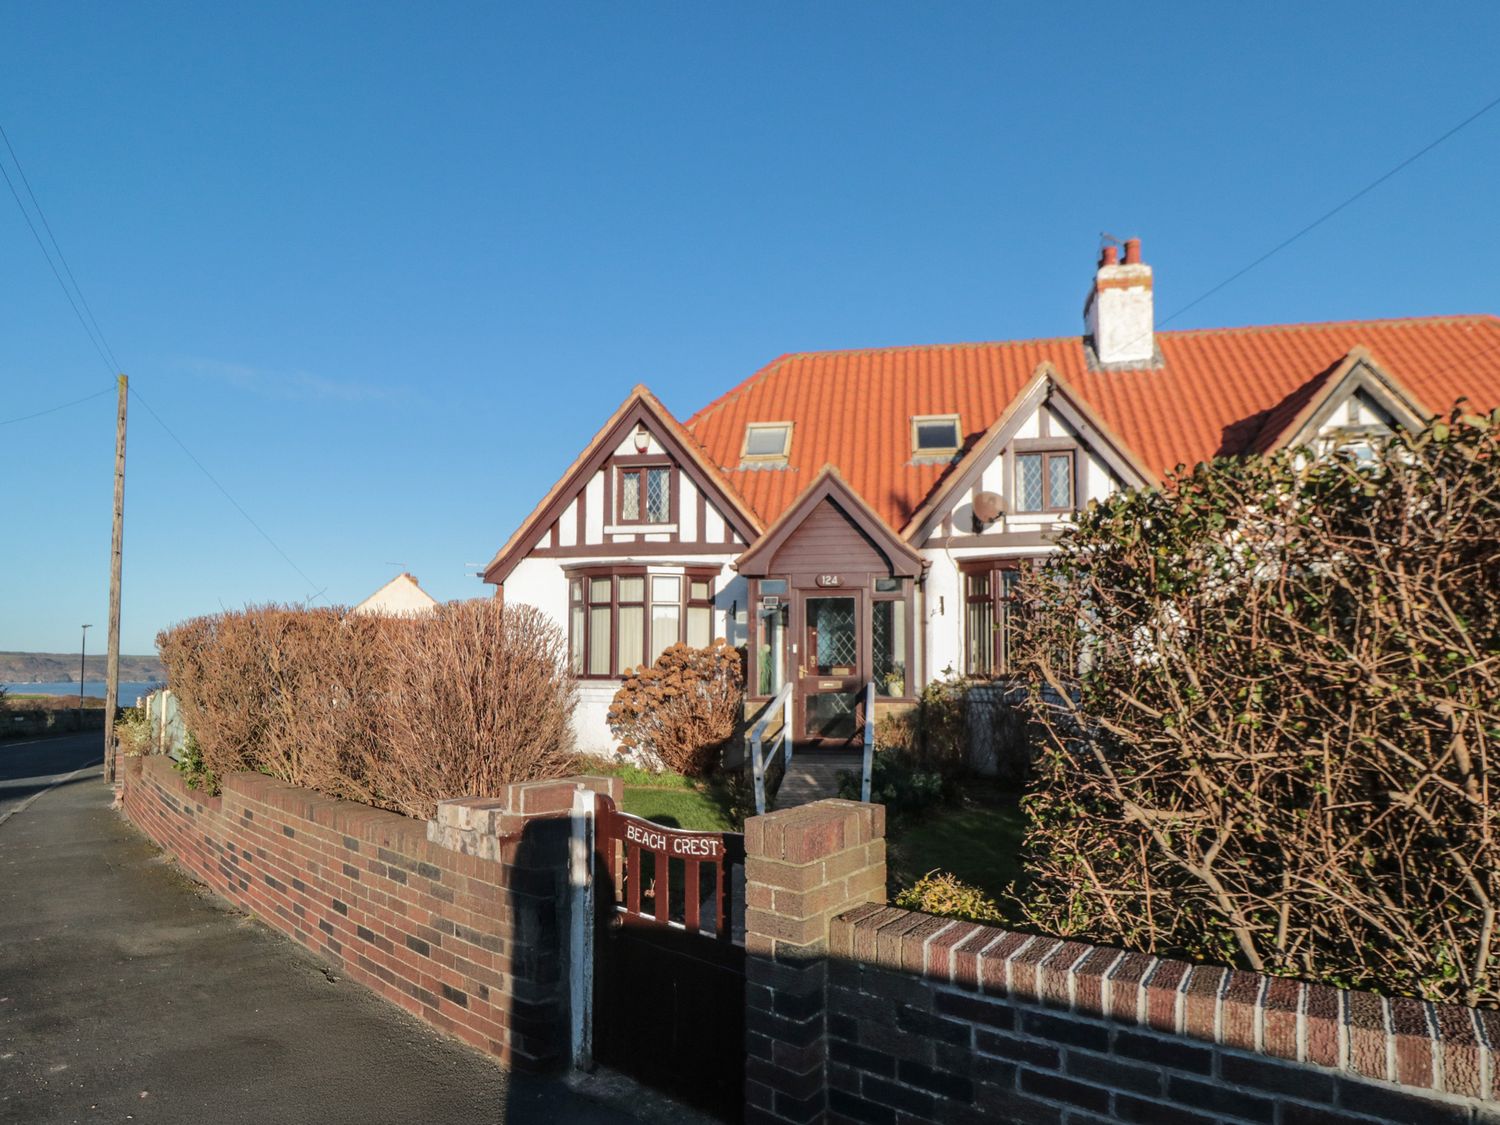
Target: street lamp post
point(83, 649)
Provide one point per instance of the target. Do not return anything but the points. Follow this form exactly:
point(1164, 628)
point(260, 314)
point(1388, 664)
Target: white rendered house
point(857, 517)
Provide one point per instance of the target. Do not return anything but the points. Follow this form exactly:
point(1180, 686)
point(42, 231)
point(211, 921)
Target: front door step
point(814, 775)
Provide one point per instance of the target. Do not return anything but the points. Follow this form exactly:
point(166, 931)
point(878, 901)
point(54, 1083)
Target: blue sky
point(385, 269)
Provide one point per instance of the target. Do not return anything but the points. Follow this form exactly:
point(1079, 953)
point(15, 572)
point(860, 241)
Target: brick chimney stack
point(1119, 315)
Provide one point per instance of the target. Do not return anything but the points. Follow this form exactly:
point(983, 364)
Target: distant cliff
point(62, 667)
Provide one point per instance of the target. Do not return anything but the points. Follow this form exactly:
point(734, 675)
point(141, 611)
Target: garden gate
point(669, 965)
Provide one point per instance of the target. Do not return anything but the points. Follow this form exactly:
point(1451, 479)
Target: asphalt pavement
point(29, 766)
point(129, 994)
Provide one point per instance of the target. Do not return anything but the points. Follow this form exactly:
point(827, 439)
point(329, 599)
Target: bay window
point(621, 618)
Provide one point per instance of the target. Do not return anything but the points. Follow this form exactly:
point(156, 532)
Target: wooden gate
point(669, 967)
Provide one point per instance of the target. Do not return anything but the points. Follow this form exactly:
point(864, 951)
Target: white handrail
point(758, 759)
point(864, 785)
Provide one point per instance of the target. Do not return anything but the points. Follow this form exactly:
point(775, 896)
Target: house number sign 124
point(830, 580)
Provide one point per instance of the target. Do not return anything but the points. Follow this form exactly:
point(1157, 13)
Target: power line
point(311, 585)
point(42, 246)
point(1323, 218)
point(55, 409)
point(56, 245)
point(101, 345)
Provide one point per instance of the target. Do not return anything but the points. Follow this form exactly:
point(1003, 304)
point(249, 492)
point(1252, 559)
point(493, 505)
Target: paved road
point(29, 766)
point(126, 994)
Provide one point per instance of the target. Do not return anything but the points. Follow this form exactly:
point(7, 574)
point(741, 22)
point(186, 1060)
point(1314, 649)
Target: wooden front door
point(830, 668)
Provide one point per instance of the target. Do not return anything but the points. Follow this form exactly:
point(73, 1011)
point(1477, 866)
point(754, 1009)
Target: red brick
point(1365, 1015)
point(1458, 1047)
point(1279, 1033)
point(1201, 1002)
point(940, 959)
point(1412, 1030)
point(1125, 985)
point(914, 944)
point(967, 967)
point(1088, 980)
point(1240, 1009)
point(1021, 966)
point(1164, 994)
point(1055, 974)
point(1324, 1023)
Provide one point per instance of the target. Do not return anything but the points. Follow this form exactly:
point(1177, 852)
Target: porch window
point(1044, 482)
point(888, 646)
point(989, 587)
point(620, 619)
point(645, 494)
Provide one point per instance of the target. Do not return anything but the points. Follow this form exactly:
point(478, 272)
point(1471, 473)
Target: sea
point(130, 690)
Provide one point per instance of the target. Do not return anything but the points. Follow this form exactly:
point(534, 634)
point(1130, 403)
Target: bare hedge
point(1271, 701)
point(392, 712)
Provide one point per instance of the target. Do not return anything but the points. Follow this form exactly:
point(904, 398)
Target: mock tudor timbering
point(810, 517)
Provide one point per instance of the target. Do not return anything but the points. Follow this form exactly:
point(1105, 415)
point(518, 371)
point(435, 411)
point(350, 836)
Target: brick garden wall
point(932, 1020)
point(867, 1013)
point(466, 930)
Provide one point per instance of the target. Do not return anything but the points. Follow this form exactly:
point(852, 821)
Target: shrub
point(191, 765)
point(954, 716)
point(1268, 693)
point(678, 713)
point(899, 731)
point(133, 731)
point(897, 782)
point(480, 697)
point(947, 896)
point(394, 712)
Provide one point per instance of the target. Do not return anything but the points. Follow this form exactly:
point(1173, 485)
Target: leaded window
point(646, 495)
point(1044, 482)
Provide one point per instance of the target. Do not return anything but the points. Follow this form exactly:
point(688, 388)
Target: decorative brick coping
point(461, 920)
point(1444, 1048)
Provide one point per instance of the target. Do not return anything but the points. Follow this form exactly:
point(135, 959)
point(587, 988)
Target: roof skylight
point(767, 441)
point(935, 435)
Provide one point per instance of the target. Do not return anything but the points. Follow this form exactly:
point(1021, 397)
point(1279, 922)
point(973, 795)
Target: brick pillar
point(525, 831)
point(803, 866)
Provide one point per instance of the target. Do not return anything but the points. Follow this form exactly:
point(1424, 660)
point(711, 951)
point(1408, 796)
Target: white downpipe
point(864, 785)
point(581, 939)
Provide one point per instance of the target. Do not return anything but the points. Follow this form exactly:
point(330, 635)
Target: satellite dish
point(988, 507)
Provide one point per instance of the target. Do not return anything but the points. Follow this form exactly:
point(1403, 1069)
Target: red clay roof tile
point(1216, 393)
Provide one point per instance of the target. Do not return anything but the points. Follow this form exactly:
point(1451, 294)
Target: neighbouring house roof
point(400, 597)
point(1216, 392)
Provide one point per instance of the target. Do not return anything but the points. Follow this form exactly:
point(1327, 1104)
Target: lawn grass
point(979, 841)
point(668, 798)
point(677, 808)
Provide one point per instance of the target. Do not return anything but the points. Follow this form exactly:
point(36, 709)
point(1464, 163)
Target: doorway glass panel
point(830, 715)
point(831, 637)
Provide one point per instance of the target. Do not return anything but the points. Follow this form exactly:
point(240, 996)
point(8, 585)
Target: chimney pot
point(1118, 314)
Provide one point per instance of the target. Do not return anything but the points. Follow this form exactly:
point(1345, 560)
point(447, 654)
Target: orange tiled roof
point(1219, 392)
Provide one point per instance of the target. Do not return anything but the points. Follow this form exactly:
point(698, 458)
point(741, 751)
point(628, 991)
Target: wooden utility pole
point(117, 543)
